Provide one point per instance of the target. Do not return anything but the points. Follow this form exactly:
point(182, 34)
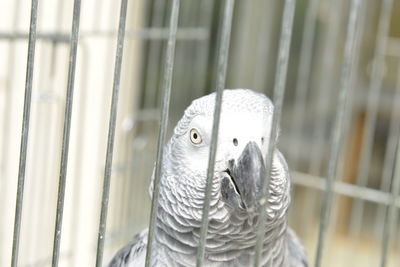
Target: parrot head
point(242, 144)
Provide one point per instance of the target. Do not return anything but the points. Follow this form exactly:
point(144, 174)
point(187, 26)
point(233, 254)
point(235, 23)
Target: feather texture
point(231, 234)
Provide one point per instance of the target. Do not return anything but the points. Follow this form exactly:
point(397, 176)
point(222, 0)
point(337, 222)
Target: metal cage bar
point(337, 135)
point(303, 76)
point(167, 83)
point(264, 44)
point(391, 218)
point(325, 84)
point(390, 157)
point(348, 128)
point(153, 33)
point(66, 131)
point(345, 189)
point(392, 170)
point(372, 112)
point(386, 198)
point(111, 133)
point(223, 54)
point(279, 92)
point(24, 132)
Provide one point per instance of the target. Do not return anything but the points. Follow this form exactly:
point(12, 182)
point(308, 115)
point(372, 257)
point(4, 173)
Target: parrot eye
point(195, 137)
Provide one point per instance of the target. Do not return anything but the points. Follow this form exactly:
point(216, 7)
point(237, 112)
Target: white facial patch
point(236, 130)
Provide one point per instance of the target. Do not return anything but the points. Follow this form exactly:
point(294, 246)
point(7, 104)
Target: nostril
point(262, 140)
point(235, 141)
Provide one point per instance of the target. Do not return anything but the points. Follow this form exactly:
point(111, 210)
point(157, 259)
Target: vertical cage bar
point(264, 31)
point(392, 164)
point(106, 69)
point(303, 77)
point(337, 135)
point(330, 43)
point(153, 53)
point(279, 92)
point(79, 161)
point(66, 131)
point(323, 89)
point(202, 48)
point(167, 82)
point(24, 132)
point(111, 133)
point(389, 158)
point(372, 113)
point(223, 54)
point(352, 107)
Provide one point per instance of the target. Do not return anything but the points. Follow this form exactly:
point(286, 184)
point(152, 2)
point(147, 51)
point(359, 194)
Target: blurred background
point(367, 161)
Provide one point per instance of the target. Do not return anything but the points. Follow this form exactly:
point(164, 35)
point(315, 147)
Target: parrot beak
point(242, 189)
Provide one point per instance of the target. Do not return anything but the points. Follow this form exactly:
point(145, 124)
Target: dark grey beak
point(242, 186)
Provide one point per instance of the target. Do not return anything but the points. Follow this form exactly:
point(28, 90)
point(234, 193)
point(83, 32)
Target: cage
point(90, 90)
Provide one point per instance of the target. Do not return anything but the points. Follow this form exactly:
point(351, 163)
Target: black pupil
point(235, 141)
point(195, 135)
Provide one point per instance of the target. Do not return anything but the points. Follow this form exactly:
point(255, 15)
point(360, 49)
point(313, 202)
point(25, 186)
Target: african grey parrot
point(243, 139)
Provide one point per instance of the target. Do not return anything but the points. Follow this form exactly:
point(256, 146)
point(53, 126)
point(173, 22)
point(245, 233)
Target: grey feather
point(296, 251)
point(133, 254)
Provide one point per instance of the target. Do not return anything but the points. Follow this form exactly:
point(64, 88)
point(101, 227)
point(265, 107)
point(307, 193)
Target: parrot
point(242, 144)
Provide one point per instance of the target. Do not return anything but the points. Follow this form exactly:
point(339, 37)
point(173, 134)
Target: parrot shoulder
point(133, 254)
point(297, 253)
